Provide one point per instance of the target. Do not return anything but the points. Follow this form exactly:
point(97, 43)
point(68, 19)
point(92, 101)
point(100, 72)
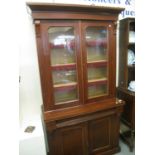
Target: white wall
point(30, 98)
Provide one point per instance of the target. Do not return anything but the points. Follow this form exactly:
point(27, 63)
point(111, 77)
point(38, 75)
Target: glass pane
point(97, 57)
point(97, 91)
point(63, 62)
point(62, 43)
point(96, 54)
point(96, 41)
point(96, 73)
point(65, 95)
point(64, 77)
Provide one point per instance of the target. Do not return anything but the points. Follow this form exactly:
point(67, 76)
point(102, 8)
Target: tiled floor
point(124, 149)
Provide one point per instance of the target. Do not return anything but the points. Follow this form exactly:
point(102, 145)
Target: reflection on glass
point(97, 91)
point(62, 43)
point(64, 76)
point(96, 41)
point(95, 73)
point(96, 46)
point(96, 54)
point(62, 96)
point(63, 62)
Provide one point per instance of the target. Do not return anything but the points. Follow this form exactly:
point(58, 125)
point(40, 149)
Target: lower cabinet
point(93, 134)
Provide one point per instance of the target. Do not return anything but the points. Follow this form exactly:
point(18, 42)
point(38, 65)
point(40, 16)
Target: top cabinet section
point(76, 52)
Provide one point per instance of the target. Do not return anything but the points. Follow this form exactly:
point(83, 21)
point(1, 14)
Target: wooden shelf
point(65, 86)
point(66, 102)
point(97, 63)
point(64, 66)
point(97, 81)
point(96, 96)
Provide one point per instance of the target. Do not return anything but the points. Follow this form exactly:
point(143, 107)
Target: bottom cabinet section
point(93, 134)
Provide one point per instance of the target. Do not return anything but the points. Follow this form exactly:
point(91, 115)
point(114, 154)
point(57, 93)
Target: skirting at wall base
point(32, 143)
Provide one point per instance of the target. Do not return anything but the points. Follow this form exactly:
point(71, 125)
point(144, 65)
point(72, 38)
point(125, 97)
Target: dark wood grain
point(95, 133)
point(83, 126)
point(128, 116)
point(126, 73)
point(81, 110)
point(71, 16)
point(69, 140)
point(69, 7)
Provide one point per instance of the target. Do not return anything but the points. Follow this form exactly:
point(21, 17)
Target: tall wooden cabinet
point(126, 77)
point(77, 60)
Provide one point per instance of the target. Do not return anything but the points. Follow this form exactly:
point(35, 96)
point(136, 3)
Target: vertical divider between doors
point(83, 60)
point(112, 60)
point(80, 58)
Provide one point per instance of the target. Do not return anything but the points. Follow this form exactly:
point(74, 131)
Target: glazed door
point(62, 58)
point(98, 60)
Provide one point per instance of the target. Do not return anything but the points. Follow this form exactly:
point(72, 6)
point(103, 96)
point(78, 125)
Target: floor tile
point(125, 149)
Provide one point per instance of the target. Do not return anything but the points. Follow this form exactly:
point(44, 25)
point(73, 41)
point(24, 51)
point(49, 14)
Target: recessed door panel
point(99, 135)
point(70, 141)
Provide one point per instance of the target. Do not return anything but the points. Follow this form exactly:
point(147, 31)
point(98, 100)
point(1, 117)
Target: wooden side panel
point(123, 44)
point(126, 73)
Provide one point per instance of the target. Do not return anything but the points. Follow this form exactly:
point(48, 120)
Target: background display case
point(126, 85)
point(77, 60)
